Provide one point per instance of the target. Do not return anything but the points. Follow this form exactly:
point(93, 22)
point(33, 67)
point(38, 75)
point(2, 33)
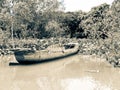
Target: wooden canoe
point(51, 53)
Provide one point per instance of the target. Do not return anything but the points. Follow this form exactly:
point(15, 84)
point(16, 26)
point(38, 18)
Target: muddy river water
point(73, 73)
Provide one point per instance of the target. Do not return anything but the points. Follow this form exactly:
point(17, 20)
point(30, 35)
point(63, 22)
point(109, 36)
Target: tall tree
point(26, 14)
point(115, 12)
point(93, 21)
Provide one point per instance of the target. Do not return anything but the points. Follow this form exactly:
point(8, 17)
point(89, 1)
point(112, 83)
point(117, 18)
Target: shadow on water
point(32, 62)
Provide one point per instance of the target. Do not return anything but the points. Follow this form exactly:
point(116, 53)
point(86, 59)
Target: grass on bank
point(105, 48)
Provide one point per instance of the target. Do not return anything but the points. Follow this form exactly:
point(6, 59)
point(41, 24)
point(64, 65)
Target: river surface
point(79, 72)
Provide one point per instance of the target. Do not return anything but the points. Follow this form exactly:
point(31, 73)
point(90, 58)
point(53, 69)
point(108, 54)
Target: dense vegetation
point(40, 19)
point(43, 19)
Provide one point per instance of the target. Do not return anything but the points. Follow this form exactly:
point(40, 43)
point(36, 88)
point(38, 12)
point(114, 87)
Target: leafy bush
point(53, 29)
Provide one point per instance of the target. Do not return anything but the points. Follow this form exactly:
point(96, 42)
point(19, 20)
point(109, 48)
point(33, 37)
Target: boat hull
point(30, 57)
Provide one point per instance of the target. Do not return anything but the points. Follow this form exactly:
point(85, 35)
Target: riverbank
point(101, 48)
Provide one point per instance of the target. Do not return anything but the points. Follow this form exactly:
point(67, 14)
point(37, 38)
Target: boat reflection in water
point(77, 72)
